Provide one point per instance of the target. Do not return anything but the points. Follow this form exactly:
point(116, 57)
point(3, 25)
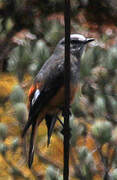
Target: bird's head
point(77, 44)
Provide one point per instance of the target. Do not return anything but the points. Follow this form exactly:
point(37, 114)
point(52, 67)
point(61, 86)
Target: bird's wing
point(52, 84)
point(47, 83)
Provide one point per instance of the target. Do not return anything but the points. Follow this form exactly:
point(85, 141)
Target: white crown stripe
point(78, 36)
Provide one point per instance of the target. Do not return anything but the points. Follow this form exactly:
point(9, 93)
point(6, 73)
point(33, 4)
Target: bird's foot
point(69, 132)
point(69, 112)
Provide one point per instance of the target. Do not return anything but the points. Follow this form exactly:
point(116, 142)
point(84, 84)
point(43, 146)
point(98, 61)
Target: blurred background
point(29, 32)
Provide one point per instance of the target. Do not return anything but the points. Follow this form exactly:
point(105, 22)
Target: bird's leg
point(62, 131)
point(60, 121)
point(64, 114)
point(63, 111)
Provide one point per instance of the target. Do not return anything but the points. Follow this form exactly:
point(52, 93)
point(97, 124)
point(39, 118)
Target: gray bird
point(46, 95)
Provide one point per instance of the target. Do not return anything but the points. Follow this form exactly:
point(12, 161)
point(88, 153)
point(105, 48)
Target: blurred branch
point(47, 160)
point(37, 175)
point(77, 171)
point(105, 163)
point(14, 170)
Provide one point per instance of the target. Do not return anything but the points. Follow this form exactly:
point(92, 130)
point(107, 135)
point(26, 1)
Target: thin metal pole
point(67, 89)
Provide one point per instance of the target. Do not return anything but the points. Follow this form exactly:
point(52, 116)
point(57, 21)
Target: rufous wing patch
point(34, 92)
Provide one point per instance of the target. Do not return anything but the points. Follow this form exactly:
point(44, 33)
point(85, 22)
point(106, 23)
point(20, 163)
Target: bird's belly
point(57, 102)
point(59, 98)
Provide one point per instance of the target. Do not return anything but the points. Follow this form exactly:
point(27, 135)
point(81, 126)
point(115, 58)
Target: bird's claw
point(63, 113)
point(69, 133)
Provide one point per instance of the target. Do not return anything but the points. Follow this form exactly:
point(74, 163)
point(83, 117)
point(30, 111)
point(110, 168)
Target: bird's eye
point(62, 42)
point(74, 41)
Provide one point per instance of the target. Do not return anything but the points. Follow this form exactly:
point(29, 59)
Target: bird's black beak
point(88, 40)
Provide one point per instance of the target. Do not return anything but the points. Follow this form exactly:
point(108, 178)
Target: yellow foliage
point(27, 173)
point(97, 177)
point(3, 164)
point(1, 111)
point(7, 82)
point(8, 119)
point(5, 176)
point(42, 130)
point(39, 167)
point(80, 141)
point(97, 158)
point(8, 141)
point(27, 78)
point(11, 122)
point(90, 143)
point(4, 170)
point(105, 149)
point(54, 150)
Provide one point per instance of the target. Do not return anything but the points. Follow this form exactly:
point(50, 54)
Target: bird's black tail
point(31, 148)
point(33, 123)
point(50, 122)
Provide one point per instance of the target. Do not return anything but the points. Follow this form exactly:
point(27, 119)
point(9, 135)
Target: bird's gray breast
point(75, 70)
point(54, 66)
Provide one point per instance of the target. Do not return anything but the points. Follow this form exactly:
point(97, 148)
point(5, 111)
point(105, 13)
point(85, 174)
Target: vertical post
point(67, 89)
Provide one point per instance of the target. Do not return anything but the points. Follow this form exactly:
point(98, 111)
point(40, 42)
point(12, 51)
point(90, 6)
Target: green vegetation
point(29, 33)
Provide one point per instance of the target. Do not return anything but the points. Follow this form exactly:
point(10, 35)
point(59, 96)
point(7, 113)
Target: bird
point(46, 94)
